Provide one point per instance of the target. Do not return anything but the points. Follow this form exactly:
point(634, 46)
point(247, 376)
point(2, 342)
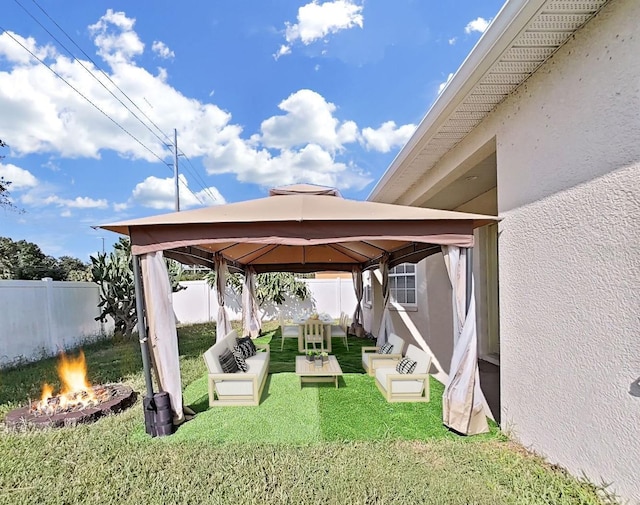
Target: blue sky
point(261, 92)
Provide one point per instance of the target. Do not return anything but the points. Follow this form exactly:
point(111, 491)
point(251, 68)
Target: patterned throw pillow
point(247, 347)
point(385, 348)
point(228, 362)
point(406, 365)
point(237, 354)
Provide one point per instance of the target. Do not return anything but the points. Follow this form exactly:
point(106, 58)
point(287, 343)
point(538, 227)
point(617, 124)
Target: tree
point(5, 200)
point(114, 275)
point(25, 260)
point(74, 269)
point(270, 287)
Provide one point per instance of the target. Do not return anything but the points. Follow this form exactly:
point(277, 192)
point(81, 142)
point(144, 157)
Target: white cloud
point(66, 213)
point(308, 119)
point(477, 25)
point(310, 164)
point(304, 142)
point(119, 207)
point(444, 84)
point(161, 49)
point(19, 177)
point(387, 136)
point(13, 53)
point(158, 193)
point(114, 36)
point(317, 20)
point(452, 41)
point(40, 197)
point(284, 49)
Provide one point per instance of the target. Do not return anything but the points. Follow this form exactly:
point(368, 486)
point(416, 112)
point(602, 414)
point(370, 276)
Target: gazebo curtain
point(250, 316)
point(223, 326)
point(162, 329)
point(358, 319)
point(462, 400)
point(386, 325)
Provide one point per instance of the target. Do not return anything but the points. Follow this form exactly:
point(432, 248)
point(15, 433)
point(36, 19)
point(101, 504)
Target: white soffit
point(524, 34)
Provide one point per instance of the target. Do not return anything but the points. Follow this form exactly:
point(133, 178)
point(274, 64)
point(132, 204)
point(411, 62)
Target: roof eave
point(512, 18)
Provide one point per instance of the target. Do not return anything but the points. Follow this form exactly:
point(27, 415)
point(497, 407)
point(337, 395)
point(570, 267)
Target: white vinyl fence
point(41, 318)
point(198, 303)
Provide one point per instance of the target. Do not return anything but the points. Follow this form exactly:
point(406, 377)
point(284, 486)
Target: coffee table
point(309, 372)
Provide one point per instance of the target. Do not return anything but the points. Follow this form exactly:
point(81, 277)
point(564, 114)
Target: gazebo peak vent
point(304, 189)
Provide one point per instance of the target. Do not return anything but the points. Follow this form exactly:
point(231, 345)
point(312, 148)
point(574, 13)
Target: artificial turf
point(314, 413)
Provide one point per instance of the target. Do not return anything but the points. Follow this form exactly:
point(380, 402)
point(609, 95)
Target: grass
point(315, 445)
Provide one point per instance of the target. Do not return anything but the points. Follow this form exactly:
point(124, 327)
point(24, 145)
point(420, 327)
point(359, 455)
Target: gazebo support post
point(468, 277)
point(148, 402)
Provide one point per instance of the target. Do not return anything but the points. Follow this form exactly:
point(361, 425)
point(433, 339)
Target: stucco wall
point(568, 150)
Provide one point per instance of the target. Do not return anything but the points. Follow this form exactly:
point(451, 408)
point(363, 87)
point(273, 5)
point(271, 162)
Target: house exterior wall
point(568, 193)
point(569, 197)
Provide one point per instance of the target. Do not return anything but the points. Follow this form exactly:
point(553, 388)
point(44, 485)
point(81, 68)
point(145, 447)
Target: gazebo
point(304, 228)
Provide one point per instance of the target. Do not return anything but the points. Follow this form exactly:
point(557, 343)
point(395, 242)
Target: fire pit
point(78, 402)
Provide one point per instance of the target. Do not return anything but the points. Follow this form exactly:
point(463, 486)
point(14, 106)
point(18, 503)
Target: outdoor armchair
point(371, 358)
point(405, 387)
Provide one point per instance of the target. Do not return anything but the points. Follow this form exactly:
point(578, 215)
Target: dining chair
point(313, 333)
point(340, 329)
point(286, 330)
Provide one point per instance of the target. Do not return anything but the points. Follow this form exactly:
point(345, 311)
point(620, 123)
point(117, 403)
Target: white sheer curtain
point(223, 326)
point(462, 400)
point(358, 320)
point(386, 325)
point(251, 323)
point(162, 329)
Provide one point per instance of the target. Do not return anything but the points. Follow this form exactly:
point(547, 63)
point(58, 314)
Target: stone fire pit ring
point(121, 398)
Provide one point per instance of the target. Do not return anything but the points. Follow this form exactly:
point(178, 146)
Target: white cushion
point(404, 386)
point(212, 355)
point(420, 357)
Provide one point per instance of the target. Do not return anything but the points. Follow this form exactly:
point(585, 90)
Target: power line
point(194, 172)
point(82, 95)
point(109, 91)
point(89, 71)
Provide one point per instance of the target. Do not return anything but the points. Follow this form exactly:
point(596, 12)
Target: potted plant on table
point(325, 357)
point(310, 355)
point(318, 358)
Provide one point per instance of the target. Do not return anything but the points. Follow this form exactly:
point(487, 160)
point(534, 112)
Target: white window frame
point(401, 279)
point(367, 300)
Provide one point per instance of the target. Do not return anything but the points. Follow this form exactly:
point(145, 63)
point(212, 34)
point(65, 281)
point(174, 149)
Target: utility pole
point(175, 169)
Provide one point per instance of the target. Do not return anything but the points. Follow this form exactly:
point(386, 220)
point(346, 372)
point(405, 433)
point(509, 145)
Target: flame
point(73, 374)
point(47, 392)
point(76, 392)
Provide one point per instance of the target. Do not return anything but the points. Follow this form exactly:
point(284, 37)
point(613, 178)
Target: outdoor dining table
point(325, 318)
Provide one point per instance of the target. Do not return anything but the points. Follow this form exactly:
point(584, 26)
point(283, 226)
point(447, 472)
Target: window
point(402, 284)
point(366, 283)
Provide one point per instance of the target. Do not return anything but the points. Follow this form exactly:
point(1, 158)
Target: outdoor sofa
point(239, 388)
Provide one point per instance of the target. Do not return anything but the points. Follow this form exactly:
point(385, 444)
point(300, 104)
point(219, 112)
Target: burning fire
point(76, 393)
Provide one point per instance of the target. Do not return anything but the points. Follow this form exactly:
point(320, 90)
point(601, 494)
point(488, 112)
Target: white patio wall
point(198, 303)
point(40, 318)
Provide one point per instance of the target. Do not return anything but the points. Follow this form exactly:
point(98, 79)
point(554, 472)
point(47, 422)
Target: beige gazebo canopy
point(301, 228)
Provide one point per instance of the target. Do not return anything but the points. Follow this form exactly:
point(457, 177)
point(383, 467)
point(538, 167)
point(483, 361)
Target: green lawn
point(317, 444)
